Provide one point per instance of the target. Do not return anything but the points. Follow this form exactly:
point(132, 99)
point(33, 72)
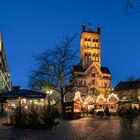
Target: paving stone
point(82, 129)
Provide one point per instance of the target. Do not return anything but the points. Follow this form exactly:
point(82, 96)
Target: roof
point(105, 70)
point(128, 85)
point(25, 93)
point(78, 68)
point(91, 31)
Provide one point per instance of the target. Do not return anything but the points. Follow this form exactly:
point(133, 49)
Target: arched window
point(105, 84)
point(80, 83)
point(84, 83)
point(89, 39)
point(85, 39)
point(97, 58)
point(97, 40)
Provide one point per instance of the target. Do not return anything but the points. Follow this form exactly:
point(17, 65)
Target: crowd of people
point(128, 115)
point(103, 112)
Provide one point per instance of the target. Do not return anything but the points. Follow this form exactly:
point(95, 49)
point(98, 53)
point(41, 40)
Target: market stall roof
point(24, 93)
point(112, 99)
point(101, 100)
point(125, 101)
point(136, 100)
point(89, 101)
point(130, 101)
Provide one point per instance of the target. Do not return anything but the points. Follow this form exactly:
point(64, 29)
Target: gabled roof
point(128, 85)
point(105, 70)
point(92, 64)
point(78, 68)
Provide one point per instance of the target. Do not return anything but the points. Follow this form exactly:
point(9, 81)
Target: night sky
point(32, 26)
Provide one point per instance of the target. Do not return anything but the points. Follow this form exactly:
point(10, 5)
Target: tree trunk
point(62, 102)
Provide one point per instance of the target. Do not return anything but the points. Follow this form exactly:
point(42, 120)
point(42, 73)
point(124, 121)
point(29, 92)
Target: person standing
point(130, 117)
point(106, 111)
point(92, 111)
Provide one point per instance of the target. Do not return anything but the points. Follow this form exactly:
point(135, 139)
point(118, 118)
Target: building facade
point(129, 90)
point(5, 81)
point(89, 77)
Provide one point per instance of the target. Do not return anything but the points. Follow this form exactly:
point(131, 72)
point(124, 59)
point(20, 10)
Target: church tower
point(89, 77)
point(90, 47)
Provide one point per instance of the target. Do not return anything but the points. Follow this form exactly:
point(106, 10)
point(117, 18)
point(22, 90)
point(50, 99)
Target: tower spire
point(98, 29)
point(83, 27)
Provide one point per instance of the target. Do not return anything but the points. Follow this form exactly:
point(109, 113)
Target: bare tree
point(132, 5)
point(54, 67)
point(130, 78)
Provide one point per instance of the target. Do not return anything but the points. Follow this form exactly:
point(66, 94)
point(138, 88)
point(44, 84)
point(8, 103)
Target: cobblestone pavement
point(82, 129)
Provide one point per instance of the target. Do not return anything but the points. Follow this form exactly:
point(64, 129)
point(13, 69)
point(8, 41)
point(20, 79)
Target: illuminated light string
point(77, 97)
point(88, 100)
point(101, 97)
point(112, 95)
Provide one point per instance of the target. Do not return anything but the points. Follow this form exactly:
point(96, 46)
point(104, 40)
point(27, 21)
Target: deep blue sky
point(31, 26)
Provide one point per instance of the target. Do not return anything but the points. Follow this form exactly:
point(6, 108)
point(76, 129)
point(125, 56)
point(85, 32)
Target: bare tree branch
point(131, 5)
point(54, 66)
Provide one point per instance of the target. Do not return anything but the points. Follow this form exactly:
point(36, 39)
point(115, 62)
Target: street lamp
point(49, 92)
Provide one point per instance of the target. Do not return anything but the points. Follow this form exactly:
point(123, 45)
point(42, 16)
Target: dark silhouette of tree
point(130, 78)
point(132, 5)
point(54, 67)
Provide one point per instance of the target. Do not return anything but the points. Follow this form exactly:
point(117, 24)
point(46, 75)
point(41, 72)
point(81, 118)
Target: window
point(84, 83)
point(89, 39)
point(79, 75)
point(80, 83)
point(105, 84)
point(97, 40)
point(97, 58)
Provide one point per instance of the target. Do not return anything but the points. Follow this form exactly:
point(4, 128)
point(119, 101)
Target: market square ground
point(81, 129)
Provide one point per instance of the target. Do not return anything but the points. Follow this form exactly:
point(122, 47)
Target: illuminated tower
point(89, 77)
point(5, 82)
point(90, 47)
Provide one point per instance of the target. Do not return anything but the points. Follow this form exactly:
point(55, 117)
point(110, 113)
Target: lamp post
point(49, 92)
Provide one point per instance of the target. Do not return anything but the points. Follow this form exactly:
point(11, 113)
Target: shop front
point(23, 96)
point(72, 110)
point(72, 106)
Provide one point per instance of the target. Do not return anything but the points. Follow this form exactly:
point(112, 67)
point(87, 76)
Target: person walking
point(92, 112)
point(106, 111)
point(130, 117)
